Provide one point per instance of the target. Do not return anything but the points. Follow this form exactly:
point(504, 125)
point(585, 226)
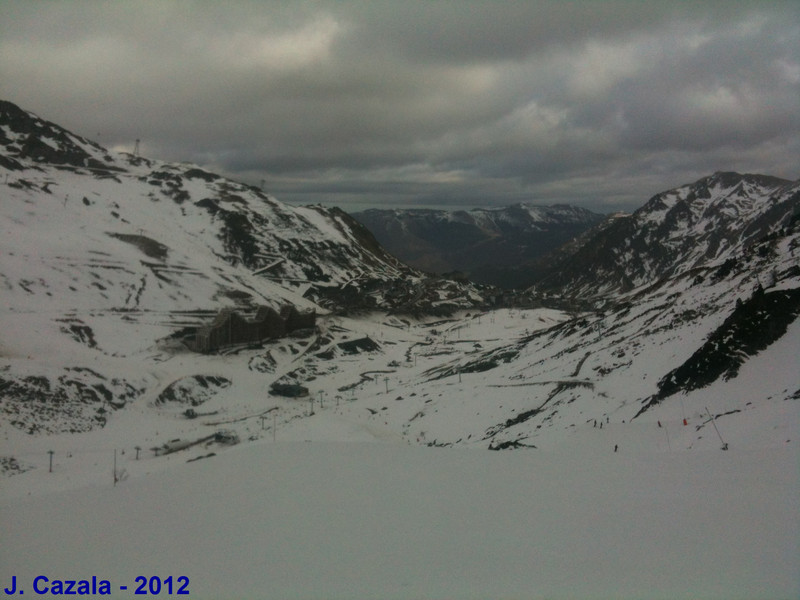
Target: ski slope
point(380, 519)
point(350, 503)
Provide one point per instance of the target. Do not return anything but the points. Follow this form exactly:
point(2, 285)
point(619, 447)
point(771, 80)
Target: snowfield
point(350, 503)
point(384, 520)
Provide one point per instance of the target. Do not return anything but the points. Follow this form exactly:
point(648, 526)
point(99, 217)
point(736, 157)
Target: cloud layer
point(440, 103)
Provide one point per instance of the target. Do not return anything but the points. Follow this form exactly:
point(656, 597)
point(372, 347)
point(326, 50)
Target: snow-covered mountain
point(176, 237)
point(707, 222)
point(108, 259)
point(496, 246)
point(616, 415)
point(115, 253)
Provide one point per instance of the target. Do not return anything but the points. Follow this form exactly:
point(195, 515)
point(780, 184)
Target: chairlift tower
point(136, 148)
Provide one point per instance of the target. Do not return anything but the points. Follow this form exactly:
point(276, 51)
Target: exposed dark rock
point(77, 400)
point(81, 333)
point(148, 246)
point(752, 327)
point(288, 390)
point(511, 444)
point(201, 174)
point(194, 389)
point(64, 148)
point(365, 344)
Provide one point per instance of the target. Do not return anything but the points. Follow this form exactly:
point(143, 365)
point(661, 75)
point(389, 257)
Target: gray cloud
point(445, 103)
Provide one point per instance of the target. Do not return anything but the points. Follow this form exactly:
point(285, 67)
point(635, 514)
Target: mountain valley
point(504, 247)
point(654, 339)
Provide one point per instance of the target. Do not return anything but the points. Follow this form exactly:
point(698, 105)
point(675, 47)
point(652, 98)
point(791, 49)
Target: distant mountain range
point(495, 246)
point(565, 250)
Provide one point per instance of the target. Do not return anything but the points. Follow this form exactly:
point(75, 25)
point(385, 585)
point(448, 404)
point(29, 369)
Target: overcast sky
point(398, 103)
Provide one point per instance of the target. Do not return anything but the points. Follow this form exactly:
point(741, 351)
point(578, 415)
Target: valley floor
point(355, 501)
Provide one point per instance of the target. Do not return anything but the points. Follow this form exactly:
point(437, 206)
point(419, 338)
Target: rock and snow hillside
point(709, 221)
point(186, 237)
point(497, 246)
point(612, 419)
point(104, 256)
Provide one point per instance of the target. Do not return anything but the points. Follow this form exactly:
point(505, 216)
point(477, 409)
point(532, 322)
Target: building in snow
point(230, 328)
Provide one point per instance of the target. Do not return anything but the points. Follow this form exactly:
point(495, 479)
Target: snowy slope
point(350, 503)
point(371, 520)
point(345, 504)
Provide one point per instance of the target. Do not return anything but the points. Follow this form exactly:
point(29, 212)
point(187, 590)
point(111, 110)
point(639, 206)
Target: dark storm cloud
point(461, 103)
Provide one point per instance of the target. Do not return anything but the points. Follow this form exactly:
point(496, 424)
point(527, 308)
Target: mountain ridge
point(705, 222)
point(488, 244)
point(227, 221)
